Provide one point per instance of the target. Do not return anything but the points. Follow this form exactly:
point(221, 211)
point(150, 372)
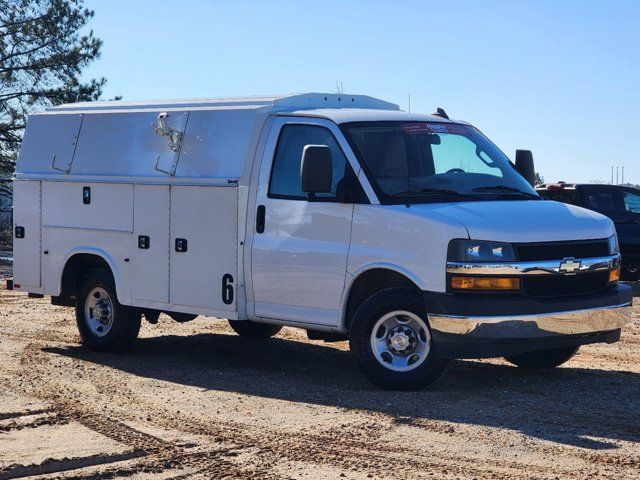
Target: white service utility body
point(412, 235)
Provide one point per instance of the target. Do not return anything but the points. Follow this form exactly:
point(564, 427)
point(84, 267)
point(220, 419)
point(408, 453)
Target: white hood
point(524, 221)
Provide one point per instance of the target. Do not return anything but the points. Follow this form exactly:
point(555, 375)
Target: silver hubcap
point(401, 341)
point(98, 311)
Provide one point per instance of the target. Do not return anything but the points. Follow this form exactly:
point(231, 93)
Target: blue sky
point(561, 78)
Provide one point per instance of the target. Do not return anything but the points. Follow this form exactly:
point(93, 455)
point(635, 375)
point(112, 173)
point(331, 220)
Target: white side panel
point(63, 243)
point(215, 143)
point(26, 251)
point(126, 144)
point(151, 265)
point(110, 207)
point(121, 143)
point(207, 218)
point(49, 143)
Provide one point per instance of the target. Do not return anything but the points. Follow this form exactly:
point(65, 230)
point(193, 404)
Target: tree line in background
point(44, 47)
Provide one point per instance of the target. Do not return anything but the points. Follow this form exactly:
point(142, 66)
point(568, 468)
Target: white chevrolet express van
point(411, 235)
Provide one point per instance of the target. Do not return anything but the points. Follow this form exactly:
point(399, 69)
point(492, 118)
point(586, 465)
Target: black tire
point(249, 329)
point(125, 324)
point(182, 317)
point(360, 332)
point(152, 316)
point(541, 359)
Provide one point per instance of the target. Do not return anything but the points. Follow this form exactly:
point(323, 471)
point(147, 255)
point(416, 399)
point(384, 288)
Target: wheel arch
point(371, 279)
point(78, 262)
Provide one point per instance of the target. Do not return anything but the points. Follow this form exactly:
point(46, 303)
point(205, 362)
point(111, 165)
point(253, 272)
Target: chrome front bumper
point(531, 327)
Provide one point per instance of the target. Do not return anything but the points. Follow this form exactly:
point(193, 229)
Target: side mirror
point(525, 167)
point(316, 170)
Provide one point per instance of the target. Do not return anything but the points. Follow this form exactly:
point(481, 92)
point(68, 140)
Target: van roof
point(346, 115)
point(340, 108)
point(288, 102)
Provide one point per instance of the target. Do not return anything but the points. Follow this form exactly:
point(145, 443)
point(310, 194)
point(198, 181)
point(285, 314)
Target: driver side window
point(285, 171)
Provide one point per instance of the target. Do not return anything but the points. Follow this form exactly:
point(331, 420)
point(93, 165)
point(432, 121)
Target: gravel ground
point(195, 401)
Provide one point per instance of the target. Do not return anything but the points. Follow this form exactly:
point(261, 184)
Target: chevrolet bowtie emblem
point(569, 265)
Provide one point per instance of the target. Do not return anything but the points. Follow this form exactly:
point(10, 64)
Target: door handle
point(260, 218)
point(144, 242)
point(181, 245)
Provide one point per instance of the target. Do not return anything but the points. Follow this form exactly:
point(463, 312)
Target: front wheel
point(249, 329)
point(541, 359)
point(104, 324)
point(391, 342)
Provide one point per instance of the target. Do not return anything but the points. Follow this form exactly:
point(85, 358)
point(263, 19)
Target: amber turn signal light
point(485, 283)
point(614, 275)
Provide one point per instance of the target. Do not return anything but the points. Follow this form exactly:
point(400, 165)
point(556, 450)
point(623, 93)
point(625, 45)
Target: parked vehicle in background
point(412, 236)
point(621, 204)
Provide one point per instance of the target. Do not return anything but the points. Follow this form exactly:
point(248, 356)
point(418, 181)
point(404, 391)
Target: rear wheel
point(541, 359)
point(103, 323)
point(391, 343)
point(249, 329)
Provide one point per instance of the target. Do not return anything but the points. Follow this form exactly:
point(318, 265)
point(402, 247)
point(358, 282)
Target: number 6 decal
point(227, 289)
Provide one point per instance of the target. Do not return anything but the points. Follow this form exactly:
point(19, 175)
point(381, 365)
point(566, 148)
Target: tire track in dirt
point(21, 423)
point(355, 446)
point(343, 448)
point(157, 454)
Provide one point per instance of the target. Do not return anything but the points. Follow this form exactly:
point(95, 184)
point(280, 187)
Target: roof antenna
point(440, 113)
point(409, 104)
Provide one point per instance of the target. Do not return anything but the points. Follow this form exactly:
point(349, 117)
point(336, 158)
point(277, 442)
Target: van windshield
point(434, 162)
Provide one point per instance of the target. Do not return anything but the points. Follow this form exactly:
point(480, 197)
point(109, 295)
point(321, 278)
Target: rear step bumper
point(31, 295)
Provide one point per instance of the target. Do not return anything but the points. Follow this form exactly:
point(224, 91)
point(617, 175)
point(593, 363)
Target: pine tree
point(43, 50)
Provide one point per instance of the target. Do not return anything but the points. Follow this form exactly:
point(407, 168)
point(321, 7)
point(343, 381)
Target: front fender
point(352, 277)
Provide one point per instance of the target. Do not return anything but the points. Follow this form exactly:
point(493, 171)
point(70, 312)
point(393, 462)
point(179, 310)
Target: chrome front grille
point(533, 252)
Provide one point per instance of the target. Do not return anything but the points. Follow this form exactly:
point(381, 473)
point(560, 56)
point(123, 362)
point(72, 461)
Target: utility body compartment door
point(203, 246)
point(93, 206)
point(49, 143)
point(27, 235)
point(151, 243)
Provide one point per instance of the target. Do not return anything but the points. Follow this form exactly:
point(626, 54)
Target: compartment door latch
point(167, 162)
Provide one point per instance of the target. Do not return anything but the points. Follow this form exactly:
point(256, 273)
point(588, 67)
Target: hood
point(524, 221)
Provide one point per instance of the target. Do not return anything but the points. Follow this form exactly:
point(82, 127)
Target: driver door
point(300, 247)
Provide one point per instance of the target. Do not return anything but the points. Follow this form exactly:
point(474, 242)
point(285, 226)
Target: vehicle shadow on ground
point(573, 406)
point(635, 287)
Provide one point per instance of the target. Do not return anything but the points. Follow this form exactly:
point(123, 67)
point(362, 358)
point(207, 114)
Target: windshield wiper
point(507, 189)
point(431, 191)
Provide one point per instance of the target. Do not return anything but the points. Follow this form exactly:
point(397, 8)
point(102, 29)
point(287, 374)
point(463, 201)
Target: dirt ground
point(195, 401)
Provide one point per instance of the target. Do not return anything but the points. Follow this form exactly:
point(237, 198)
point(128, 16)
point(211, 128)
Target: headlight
point(614, 248)
point(480, 251)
